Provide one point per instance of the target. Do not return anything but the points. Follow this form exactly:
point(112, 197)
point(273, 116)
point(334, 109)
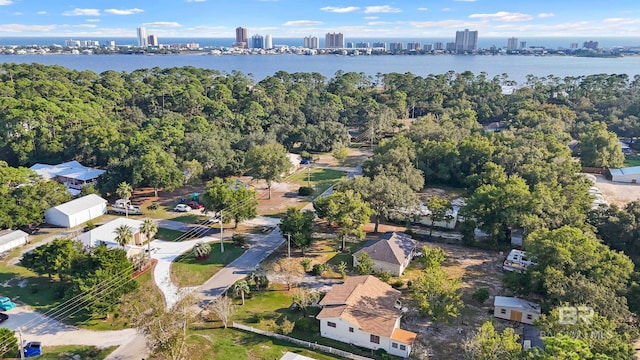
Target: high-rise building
point(512, 43)
point(363, 45)
point(590, 45)
point(242, 38)
point(311, 42)
point(142, 36)
point(523, 44)
point(450, 46)
point(257, 42)
point(437, 46)
point(396, 46)
point(416, 46)
point(379, 45)
point(152, 40)
point(334, 41)
point(268, 42)
point(427, 47)
point(350, 45)
point(466, 41)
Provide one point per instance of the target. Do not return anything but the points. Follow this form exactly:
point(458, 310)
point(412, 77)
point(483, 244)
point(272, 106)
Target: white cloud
point(123, 11)
point(444, 24)
point(422, 9)
point(375, 23)
point(195, 0)
point(381, 9)
point(41, 13)
point(546, 15)
point(340, 10)
point(17, 13)
point(446, 9)
point(85, 26)
point(302, 23)
point(163, 24)
point(6, 2)
point(465, 0)
point(16, 28)
point(82, 12)
point(622, 21)
point(503, 16)
point(371, 17)
point(93, 20)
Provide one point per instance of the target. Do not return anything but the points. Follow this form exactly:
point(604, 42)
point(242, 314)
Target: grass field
point(168, 234)
point(75, 352)
point(190, 218)
point(320, 179)
point(187, 271)
point(631, 161)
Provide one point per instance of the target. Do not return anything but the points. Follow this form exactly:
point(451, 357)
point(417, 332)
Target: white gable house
point(391, 252)
point(511, 308)
point(76, 212)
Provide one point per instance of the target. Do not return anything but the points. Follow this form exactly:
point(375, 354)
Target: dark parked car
point(195, 205)
point(3, 317)
point(304, 162)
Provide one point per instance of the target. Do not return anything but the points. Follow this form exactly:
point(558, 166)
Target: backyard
point(186, 270)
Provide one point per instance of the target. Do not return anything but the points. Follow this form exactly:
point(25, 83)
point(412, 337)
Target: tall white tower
point(268, 42)
point(142, 37)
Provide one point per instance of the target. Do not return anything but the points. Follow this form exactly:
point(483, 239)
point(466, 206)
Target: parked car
point(32, 348)
point(3, 317)
point(182, 208)
point(195, 205)
point(6, 304)
point(304, 162)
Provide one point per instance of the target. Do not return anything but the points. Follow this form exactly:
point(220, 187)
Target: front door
point(516, 316)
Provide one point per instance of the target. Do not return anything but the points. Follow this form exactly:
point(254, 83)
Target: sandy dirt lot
point(617, 193)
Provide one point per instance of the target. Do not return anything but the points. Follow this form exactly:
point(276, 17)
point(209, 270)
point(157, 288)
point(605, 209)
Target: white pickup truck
point(122, 206)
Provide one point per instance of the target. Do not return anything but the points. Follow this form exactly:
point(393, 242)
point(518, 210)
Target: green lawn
point(168, 234)
point(24, 286)
point(631, 161)
point(69, 351)
point(187, 271)
point(321, 179)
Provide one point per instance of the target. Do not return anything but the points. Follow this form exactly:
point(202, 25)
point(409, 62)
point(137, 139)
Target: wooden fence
point(307, 344)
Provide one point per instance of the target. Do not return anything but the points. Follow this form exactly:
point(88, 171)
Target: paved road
point(261, 246)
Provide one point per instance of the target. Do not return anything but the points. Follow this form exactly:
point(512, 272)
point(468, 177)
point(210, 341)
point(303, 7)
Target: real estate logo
point(572, 315)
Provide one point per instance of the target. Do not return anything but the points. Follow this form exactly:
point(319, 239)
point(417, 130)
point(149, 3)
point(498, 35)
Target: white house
point(11, 239)
point(391, 252)
point(511, 308)
point(365, 311)
point(71, 174)
point(76, 212)
point(106, 234)
point(517, 261)
point(626, 175)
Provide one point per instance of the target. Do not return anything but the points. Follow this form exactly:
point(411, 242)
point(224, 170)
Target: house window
point(375, 339)
point(394, 345)
point(350, 329)
point(403, 347)
point(331, 324)
point(529, 317)
point(503, 311)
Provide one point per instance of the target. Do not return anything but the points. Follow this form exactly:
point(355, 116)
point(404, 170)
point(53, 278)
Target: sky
point(299, 18)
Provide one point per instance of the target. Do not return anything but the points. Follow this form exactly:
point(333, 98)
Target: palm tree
point(124, 191)
point(241, 288)
point(201, 250)
point(124, 234)
point(148, 227)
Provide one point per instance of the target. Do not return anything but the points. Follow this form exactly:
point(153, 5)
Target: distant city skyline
point(297, 19)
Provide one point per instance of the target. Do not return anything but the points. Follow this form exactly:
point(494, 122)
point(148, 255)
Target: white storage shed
point(11, 239)
point(76, 212)
point(510, 308)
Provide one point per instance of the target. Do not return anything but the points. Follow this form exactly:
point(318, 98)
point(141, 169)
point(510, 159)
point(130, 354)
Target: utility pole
point(309, 174)
point(288, 245)
point(20, 349)
point(221, 234)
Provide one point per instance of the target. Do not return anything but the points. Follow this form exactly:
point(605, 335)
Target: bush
point(308, 325)
point(89, 225)
point(306, 264)
point(319, 269)
point(384, 276)
point(398, 284)
point(240, 239)
point(305, 191)
point(481, 295)
point(286, 326)
point(153, 206)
